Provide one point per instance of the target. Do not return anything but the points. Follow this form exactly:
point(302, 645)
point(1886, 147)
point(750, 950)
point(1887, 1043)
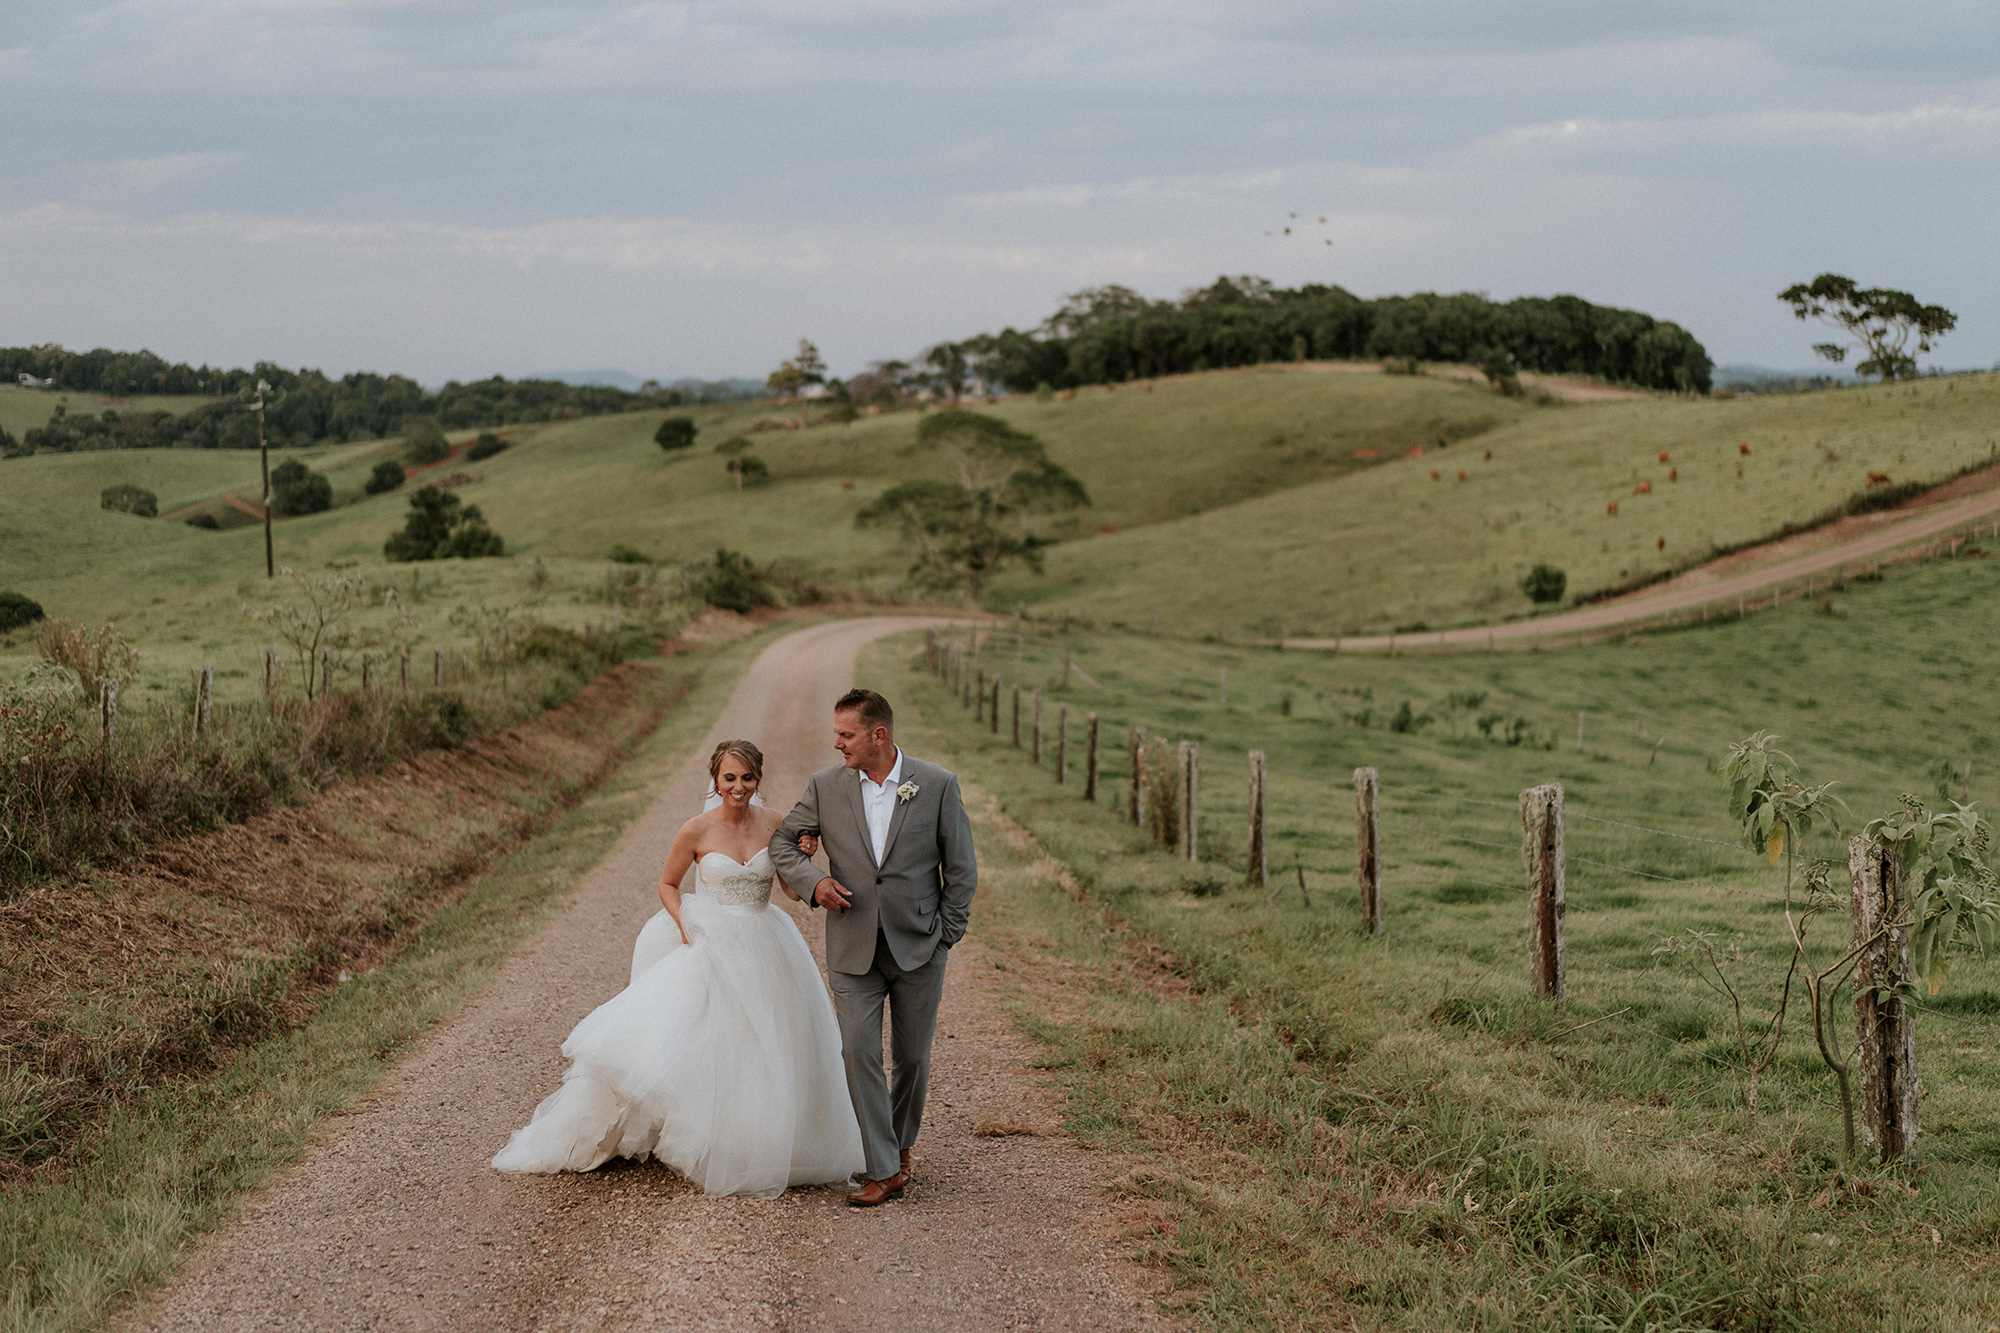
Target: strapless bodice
point(732, 883)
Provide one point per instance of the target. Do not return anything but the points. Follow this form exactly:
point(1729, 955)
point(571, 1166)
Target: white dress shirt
point(878, 803)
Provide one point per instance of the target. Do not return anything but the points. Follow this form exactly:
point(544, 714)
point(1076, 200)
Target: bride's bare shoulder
point(695, 827)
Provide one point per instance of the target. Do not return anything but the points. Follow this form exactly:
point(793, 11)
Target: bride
point(722, 1057)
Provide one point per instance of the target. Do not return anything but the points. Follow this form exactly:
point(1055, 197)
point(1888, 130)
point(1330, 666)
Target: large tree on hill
point(1892, 326)
point(963, 531)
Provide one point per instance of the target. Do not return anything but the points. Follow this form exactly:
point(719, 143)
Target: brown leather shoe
point(905, 1172)
point(878, 1192)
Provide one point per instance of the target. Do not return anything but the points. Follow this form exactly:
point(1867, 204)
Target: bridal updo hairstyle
point(744, 750)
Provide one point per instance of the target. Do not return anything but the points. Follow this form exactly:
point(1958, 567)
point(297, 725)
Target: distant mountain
point(697, 390)
point(1744, 372)
point(609, 379)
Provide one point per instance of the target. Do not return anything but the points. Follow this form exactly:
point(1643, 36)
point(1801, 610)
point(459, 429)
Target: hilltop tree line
point(1108, 334)
point(304, 406)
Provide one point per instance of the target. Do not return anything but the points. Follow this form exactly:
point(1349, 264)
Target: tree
point(964, 531)
point(136, 500)
point(749, 470)
point(949, 368)
point(386, 477)
point(1545, 583)
point(805, 367)
point(424, 442)
point(1892, 326)
point(297, 489)
point(675, 433)
point(440, 526)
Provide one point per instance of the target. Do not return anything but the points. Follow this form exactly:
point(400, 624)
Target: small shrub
point(134, 500)
point(1045, 392)
point(1408, 719)
point(1498, 368)
point(733, 584)
point(297, 489)
point(1545, 583)
point(621, 554)
point(95, 656)
point(440, 526)
point(735, 444)
point(16, 610)
point(387, 476)
point(423, 442)
point(487, 445)
point(205, 520)
point(675, 433)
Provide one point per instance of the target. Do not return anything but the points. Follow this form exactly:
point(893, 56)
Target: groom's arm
point(794, 866)
point(958, 866)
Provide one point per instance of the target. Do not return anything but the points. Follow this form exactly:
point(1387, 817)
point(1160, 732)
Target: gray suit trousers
point(891, 1110)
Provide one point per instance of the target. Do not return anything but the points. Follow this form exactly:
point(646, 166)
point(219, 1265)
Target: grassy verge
point(175, 1161)
point(1326, 1128)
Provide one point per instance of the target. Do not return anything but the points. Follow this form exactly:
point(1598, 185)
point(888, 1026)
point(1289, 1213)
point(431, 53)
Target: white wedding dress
point(721, 1058)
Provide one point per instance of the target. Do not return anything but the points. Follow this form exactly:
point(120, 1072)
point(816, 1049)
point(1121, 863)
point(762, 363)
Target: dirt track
point(1851, 545)
point(395, 1220)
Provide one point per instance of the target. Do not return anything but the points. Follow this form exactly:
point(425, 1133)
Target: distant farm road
point(1847, 545)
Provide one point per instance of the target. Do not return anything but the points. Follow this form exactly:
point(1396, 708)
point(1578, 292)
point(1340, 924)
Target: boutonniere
point(905, 792)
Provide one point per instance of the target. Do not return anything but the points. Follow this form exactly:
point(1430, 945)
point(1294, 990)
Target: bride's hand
point(809, 844)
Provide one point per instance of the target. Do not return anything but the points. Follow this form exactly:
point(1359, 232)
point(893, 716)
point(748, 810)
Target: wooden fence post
point(1062, 745)
point(464, 664)
point(270, 671)
point(965, 684)
point(1542, 847)
point(993, 716)
point(1017, 715)
point(325, 672)
point(1137, 744)
point(1368, 845)
point(1090, 757)
point(204, 698)
point(1190, 776)
point(403, 668)
point(107, 710)
point(1886, 1028)
point(1259, 852)
point(437, 667)
point(1036, 752)
point(367, 672)
point(979, 698)
point(930, 649)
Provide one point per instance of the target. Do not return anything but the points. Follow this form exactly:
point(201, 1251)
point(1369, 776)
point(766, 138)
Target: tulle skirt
point(721, 1058)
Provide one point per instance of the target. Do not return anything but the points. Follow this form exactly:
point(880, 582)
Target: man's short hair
point(871, 707)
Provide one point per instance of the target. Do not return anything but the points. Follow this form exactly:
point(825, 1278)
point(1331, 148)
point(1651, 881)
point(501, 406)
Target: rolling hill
point(1259, 497)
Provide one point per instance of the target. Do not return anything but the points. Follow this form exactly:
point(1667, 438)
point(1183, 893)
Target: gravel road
point(395, 1220)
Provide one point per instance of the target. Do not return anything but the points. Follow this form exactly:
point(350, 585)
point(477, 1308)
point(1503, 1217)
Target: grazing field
point(1327, 1127)
point(1250, 501)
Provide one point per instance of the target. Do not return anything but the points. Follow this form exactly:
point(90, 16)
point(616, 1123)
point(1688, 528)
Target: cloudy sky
point(453, 188)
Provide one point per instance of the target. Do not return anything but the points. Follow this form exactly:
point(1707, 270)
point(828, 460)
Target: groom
point(900, 849)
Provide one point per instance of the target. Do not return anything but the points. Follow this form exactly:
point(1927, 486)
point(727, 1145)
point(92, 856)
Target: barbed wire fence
point(1616, 895)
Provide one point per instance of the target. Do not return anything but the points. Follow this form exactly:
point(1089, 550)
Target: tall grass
point(66, 800)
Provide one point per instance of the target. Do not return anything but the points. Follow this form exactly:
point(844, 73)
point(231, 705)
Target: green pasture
point(1526, 1170)
point(21, 410)
point(1248, 501)
point(1392, 547)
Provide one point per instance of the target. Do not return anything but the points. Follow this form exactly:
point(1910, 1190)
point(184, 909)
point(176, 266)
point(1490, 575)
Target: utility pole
point(264, 461)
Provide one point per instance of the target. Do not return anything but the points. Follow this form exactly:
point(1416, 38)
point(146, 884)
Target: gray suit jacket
point(921, 894)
